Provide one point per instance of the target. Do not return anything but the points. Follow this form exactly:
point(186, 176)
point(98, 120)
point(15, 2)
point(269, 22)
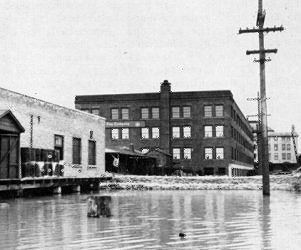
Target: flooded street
point(153, 220)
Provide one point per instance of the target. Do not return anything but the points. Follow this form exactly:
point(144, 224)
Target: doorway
point(9, 156)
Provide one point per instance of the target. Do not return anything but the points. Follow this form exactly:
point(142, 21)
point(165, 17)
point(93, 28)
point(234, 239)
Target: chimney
point(165, 86)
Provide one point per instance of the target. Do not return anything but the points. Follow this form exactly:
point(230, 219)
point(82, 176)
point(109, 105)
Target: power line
point(263, 105)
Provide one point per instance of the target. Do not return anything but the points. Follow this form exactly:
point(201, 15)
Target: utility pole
point(263, 105)
point(258, 128)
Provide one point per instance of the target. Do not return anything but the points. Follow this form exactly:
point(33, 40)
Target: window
point(276, 157)
point(92, 153)
point(124, 113)
point(76, 150)
point(275, 147)
point(125, 133)
point(144, 150)
point(283, 147)
point(115, 133)
point(155, 133)
point(145, 133)
point(208, 153)
point(288, 139)
point(208, 111)
point(221, 171)
point(175, 132)
point(275, 138)
point(187, 153)
point(208, 131)
point(288, 156)
point(219, 153)
point(144, 113)
point(219, 110)
point(219, 131)
point(175, 112)
point(186, 112)
point(95, 111)
point(288, 147)
point(283, 156)
point(176, 153)
point(187, 132)
point(155, 113)
point(59, 146)
point(114, 114)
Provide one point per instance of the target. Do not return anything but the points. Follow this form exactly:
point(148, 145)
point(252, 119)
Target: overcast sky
point(56, 49)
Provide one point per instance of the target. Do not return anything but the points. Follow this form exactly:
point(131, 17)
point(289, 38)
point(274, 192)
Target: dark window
point(125, 114)
point(221, 171)
point(208, 171)
point(92, 153)
point(76, 150)
point(114, 114)
point(59, 145)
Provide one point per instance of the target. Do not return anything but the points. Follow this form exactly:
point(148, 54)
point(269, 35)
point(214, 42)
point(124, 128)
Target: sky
point(56, 49)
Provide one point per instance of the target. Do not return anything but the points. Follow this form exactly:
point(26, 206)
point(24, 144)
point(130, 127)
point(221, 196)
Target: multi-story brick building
point(205, 131)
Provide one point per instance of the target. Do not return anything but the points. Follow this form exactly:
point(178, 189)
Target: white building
point(281, 147)
point(79, 137)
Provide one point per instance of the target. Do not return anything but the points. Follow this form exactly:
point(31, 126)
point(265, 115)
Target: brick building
point(204, 131)
point(77, 136)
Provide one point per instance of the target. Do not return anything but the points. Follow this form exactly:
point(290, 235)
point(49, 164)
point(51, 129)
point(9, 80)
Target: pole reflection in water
point(153, 220)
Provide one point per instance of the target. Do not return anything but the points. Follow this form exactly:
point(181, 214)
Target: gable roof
point(4, 113)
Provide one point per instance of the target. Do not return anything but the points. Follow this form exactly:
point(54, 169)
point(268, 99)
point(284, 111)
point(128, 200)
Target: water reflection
point(153, 220)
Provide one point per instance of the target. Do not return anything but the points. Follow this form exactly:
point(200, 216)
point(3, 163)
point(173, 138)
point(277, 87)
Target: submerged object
point(182, 235)
point(99, 206)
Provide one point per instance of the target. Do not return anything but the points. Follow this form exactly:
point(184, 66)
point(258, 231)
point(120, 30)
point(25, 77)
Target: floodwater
point(153, 220)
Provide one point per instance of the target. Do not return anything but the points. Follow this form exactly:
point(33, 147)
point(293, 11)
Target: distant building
point(204, 131)
point(281, 148)
point(77, 138)
point(282, 154)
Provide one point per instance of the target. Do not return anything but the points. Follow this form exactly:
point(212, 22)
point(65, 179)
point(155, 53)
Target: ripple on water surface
point(153, 220)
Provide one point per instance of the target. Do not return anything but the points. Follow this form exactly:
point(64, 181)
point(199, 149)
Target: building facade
point(78, 137)
point(204, 131)
point(281, 147)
